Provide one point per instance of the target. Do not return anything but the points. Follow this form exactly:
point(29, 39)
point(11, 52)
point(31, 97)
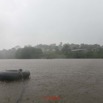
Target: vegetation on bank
point(53, 51)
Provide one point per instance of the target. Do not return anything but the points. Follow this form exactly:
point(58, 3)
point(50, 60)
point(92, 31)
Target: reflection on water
point(73, 80)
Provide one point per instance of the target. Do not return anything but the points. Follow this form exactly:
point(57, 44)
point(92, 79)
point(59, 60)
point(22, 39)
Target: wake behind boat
point(11, 75)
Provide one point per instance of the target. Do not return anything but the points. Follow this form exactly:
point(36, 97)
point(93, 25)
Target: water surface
point(73, 80)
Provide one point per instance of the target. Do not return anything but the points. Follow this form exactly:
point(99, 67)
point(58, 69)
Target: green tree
point(29, 52)
point(66, 50)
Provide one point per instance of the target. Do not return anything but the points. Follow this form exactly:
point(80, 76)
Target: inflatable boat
point(12, 75)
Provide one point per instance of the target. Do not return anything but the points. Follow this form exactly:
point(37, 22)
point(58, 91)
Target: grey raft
point(12, 75)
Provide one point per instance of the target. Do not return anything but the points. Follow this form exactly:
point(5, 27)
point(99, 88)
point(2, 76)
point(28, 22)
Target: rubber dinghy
point(11, 75)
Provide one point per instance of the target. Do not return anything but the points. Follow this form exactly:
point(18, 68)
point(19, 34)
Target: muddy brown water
point(73, 80)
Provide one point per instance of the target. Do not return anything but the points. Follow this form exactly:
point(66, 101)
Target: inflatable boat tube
point(12, 75)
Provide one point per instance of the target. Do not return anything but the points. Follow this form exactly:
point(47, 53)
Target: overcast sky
point(24, 22)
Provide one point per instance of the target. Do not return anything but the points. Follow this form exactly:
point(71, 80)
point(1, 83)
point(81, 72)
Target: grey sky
point(24, 22)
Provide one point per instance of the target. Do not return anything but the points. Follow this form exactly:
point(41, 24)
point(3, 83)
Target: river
point(72, 80)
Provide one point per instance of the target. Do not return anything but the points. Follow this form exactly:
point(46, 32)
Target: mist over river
point(73, 80)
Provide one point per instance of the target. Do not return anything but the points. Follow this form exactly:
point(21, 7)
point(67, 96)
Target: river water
point(73, 80)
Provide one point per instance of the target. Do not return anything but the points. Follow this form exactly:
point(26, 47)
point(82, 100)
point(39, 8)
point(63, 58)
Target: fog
point(24, 22)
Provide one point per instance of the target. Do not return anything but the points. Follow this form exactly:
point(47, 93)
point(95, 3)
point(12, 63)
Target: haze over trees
point(28, 52)
point(43, 51)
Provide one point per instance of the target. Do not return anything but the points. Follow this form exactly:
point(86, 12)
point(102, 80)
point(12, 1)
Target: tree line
point(43, 51)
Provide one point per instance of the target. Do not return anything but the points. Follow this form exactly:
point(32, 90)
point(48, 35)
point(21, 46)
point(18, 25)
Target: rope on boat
point(23, 88)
